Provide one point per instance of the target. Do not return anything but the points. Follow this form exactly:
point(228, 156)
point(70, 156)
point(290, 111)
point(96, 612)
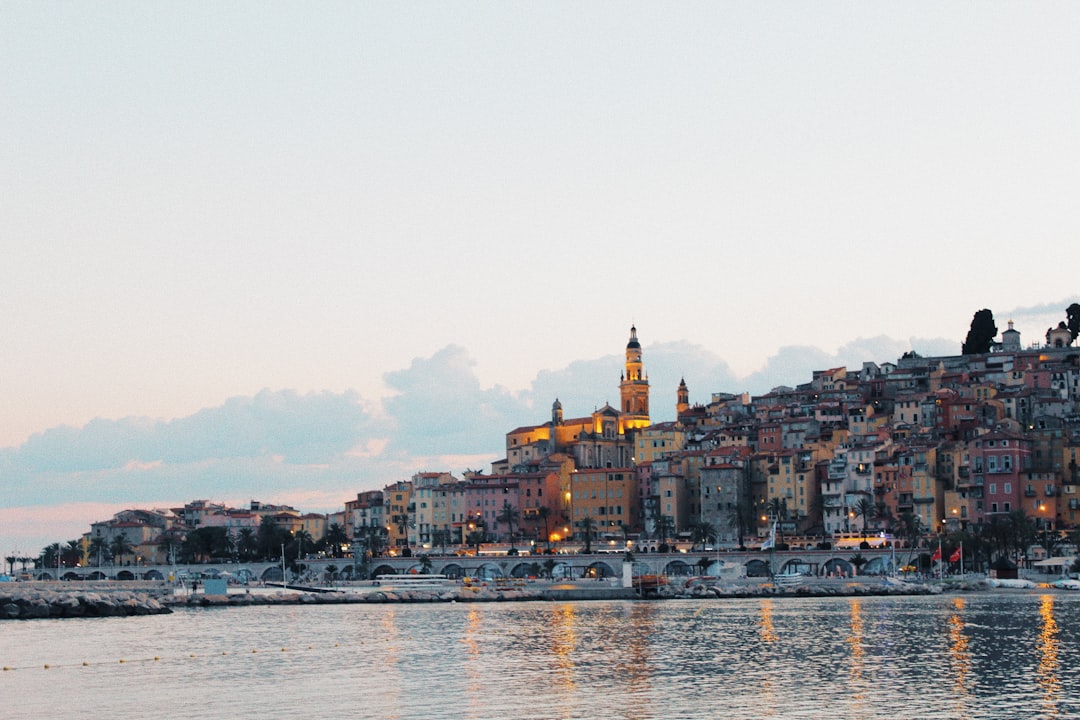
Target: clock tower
point(633, 388)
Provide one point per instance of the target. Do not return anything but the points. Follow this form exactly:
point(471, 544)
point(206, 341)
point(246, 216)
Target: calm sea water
point(987, 655)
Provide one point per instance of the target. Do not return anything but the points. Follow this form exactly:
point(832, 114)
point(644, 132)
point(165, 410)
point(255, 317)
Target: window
point(1008, 488)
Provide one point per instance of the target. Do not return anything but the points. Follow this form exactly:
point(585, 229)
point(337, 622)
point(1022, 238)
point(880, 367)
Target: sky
point(290, 253)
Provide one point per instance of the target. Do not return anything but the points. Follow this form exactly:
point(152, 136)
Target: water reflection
point(856, 680)
point(474, 671)
point(1048, 644)
point(959, 655)
point(768, 630)
point(563, 643)
point(638, 667)
point(391, 658)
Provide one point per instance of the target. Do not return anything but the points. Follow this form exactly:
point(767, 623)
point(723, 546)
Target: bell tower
point(634, 388)
point(682, 401)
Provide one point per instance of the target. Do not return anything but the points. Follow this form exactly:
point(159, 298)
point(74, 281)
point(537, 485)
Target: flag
point(771, 542)
point(955, 557)
point(936, 556)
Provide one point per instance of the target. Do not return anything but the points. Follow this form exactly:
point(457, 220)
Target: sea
point(997, 654)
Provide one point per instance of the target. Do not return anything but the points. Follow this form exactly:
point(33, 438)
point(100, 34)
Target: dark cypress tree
point(980, 337)
point(1072, 313)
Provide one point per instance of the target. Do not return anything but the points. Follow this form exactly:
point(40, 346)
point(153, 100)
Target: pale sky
point(231, 232)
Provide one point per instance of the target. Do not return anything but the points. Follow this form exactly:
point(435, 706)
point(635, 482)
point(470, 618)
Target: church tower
point(682, 401)
point(634, 388)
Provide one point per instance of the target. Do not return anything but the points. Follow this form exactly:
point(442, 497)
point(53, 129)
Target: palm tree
point(10, 560)
point(247, 544)
point(544, 512)
point(73, 553)
point(50, 556)
point(665, 528)
point(508, 515)
point(440, 537)
point(403, 523)
point(336, 539)
point(166, 546)
point(865, 509)
point(549, 567)
point(120, 547)
point(425, 563)
point(703, 532)
point(476, 533)
point(306, 543)
point(588, 526)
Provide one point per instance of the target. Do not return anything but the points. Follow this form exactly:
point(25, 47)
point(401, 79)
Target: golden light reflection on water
point(638, 668)
point(1048, 645)
point(768, 630)
point(959, 655)
point(767, 697)
point(391, 657)
point(856, 667)
point(563, 644)
point(474, 672)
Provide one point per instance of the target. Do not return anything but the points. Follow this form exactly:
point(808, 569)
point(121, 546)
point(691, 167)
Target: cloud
point(439, 407)
point(317, 450)
point(1042, 310)
point(300, 428)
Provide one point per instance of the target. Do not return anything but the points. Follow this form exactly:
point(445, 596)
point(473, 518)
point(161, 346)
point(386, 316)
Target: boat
point(412, 580)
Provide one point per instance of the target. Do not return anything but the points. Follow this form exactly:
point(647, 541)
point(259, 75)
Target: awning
point(1055, 562)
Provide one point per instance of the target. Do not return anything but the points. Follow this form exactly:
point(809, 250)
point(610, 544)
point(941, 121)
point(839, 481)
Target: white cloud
point(317, 450)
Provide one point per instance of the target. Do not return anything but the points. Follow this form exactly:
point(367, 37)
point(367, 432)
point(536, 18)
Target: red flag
point(936, 556)
point(955, 557)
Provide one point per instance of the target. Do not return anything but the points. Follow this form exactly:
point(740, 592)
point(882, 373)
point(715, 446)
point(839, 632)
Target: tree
point(1072, 314)
point(508, 516)
point(980, 337)
point(50, 556)
point(99, 550)
point(425, 563)
point(336, 539)
point(665, 528)
point(588, 526)
point(441, 537)
point(403, 522)
point(866, 510)
point(702, 532)
point(10, 560)
point(476, 533)
point(119, 547)
point(271, 536)
point(544, 512)
point(247, 544)
point(858, 561)
point(167, 545)
point(72, 553)
point(549, 567)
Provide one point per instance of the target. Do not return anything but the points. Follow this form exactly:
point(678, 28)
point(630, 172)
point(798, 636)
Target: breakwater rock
point(807, 588)
point(36, 602)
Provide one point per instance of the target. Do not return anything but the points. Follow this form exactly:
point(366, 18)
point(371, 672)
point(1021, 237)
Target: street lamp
point(570, 508)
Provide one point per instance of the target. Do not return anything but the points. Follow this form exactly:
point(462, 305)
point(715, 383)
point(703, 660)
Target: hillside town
point(923, 447)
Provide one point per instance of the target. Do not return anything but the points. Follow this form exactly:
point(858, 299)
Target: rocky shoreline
point(127, 599)
point(34, 601)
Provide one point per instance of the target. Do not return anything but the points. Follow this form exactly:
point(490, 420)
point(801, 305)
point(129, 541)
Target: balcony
point(1030, 493)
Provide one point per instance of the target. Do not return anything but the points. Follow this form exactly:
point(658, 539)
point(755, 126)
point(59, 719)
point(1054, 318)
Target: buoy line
point(278, 650)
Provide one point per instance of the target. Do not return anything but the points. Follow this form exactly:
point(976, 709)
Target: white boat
point(1066, 584)
point(1012, 583)
point(412, 580)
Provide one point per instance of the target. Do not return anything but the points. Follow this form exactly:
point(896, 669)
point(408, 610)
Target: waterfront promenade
point(817, 563)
